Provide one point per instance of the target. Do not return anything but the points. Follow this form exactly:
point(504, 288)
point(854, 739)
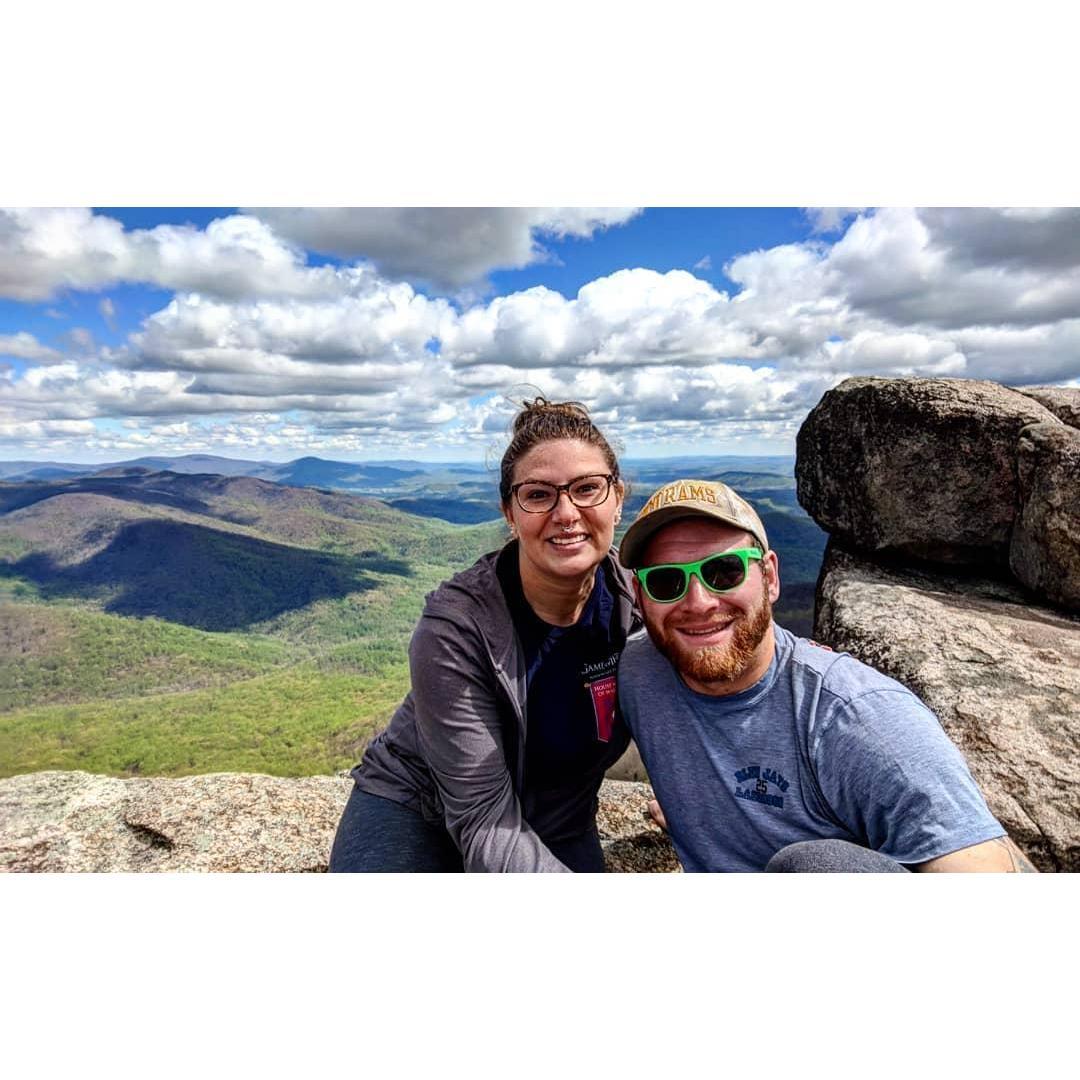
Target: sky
point(363, 334)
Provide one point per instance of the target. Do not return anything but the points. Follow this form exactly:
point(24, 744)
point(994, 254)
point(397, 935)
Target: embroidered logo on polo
point(600, 682)
point(757, 780)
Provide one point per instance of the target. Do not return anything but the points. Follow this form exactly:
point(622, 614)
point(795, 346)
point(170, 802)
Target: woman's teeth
point(576, 538)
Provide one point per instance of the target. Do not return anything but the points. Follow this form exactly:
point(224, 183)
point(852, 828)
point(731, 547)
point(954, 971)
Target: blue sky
point(364, 334)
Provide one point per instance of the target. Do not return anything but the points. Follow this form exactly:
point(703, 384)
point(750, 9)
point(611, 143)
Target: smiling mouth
point(708, 631)
point(568, 541)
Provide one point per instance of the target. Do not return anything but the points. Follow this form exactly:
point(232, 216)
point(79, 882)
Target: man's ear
point(770, 566)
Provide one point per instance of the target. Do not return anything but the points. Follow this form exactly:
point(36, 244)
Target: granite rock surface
point(924, 468)
point(232, 822)
point(1044, 552)
point(1062, 401)
point(1001, 672)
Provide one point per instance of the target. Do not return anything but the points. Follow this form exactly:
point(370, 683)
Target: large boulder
point(76, 821)
point(1045, 549)
point(1002, 675)
point(1062, 401)
point(919, 467)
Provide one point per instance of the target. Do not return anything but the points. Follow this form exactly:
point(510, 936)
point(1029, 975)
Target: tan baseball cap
point(689, 498)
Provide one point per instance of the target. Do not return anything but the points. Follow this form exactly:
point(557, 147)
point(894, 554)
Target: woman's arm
point(460, 733)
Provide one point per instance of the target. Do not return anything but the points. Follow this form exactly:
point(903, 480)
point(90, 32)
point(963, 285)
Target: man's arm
point(1000, 856)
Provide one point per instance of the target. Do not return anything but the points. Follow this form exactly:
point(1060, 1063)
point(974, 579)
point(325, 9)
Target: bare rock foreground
point(232, 822)
point(1001, 673)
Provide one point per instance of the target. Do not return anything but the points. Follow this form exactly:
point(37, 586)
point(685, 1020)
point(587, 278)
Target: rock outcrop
point(1002, 675)
point(925, 468)
point(1045, 550)
point(1062, 401)
point(230, 822)
point(984, 482)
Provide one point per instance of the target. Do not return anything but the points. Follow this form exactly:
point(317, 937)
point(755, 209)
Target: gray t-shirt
point(822, 746)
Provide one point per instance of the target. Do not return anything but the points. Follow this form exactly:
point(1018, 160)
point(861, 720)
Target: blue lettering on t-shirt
point(776, 778)
point(760, 791)
point(754, 795)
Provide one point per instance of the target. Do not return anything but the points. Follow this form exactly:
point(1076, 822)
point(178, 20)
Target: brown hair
point(543, 421)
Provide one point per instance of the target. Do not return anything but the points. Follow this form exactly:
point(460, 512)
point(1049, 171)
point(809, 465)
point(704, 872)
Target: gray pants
point(376, 835)
point(831, 857)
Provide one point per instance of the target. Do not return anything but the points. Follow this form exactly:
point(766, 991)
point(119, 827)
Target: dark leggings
point(378, 836)
point(831, 857)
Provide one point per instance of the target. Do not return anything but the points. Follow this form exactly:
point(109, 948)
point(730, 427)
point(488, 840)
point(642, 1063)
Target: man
point(765, 750)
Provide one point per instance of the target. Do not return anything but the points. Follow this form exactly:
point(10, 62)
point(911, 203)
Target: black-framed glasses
point(719, 573)
point(536, 497)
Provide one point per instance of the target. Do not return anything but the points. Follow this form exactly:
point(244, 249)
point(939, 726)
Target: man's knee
point(830, 857)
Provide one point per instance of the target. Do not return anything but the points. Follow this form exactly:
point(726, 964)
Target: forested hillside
point(178, 624)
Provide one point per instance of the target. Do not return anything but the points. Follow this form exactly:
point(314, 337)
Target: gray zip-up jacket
point(455, 748)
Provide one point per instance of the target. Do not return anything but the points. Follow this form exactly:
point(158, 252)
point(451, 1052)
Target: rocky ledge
point(233, 822)
point(1001, 672)
point(954, 566)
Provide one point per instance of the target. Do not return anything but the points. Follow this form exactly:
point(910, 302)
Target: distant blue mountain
point(315, 472)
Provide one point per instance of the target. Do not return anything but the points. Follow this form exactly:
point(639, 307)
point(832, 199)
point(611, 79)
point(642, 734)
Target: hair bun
point(540, 408)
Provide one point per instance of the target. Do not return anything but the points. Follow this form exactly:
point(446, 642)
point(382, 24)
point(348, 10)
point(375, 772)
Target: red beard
point(720, 663)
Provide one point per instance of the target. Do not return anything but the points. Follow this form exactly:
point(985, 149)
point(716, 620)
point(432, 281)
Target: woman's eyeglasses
point(535, 497)
point(720, 573)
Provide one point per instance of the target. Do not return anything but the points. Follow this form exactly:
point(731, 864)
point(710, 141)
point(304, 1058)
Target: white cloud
point(630, 318)
point(36, 432)
point(704, 263)
point(1035, 354)
point(449, 246)
point(382, 322)
point(953, 269)
point(44, 250)
point(24, 346)
point(890, 353)
point(108, 311)
point(829, 219)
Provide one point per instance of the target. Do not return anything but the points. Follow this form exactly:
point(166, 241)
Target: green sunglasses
point(719, 573)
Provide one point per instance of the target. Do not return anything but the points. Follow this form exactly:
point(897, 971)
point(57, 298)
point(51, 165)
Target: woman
point(494, 759)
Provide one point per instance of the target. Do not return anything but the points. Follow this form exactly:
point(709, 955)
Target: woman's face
point(568, 540)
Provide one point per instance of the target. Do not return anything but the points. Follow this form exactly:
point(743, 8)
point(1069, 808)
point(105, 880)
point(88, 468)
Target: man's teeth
point(706, 632)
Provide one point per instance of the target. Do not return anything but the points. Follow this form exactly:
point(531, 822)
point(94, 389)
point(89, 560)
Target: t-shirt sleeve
point(896, 781)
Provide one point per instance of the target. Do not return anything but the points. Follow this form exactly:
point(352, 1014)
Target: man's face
point(717, 641)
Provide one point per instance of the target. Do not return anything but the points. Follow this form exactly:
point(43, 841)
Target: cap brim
point(637, 537)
